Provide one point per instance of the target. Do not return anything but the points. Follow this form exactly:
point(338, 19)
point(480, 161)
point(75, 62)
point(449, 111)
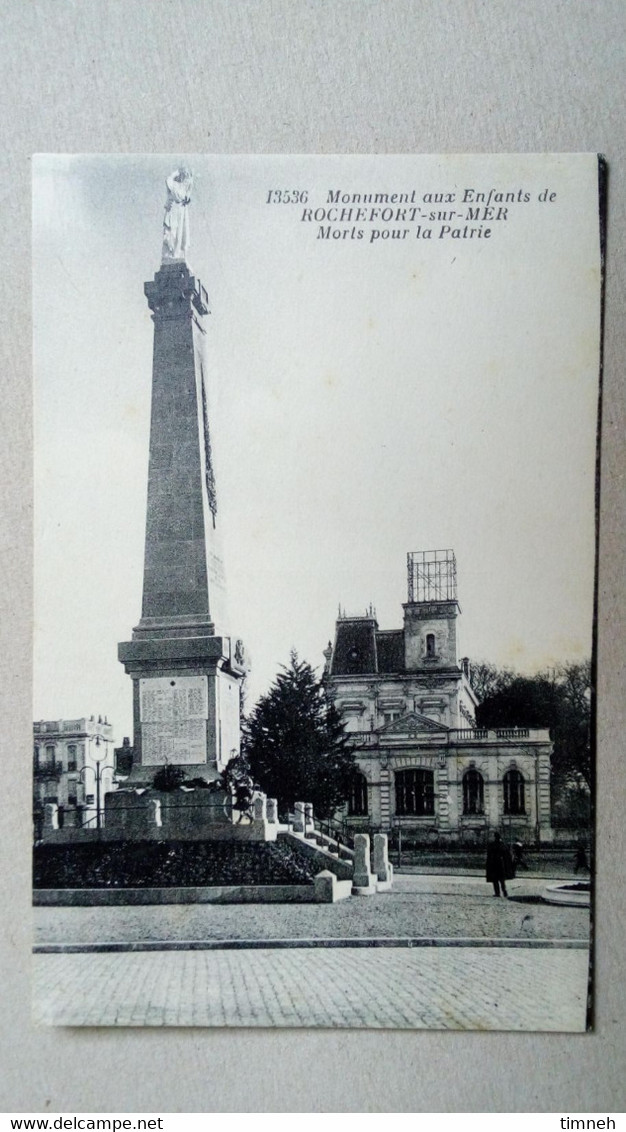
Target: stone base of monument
point(184, 814)
point(192, 846)
point(101, 871)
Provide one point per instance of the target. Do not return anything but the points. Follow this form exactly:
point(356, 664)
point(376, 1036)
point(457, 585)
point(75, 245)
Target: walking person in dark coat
point(499, 865)
point(581, 860)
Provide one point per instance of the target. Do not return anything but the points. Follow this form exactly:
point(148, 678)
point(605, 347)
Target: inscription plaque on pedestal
point(173, 714)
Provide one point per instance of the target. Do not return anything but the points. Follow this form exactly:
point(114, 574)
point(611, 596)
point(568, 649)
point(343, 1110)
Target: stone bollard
point(363, 881)
point(309, 828)
point(325, 887)
point(383, 869)
point(258, 807)
point(272, 810)
point(298, 817)
point(50, 816)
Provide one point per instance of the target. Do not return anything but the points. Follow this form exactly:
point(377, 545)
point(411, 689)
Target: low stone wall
point(326, 889)
point(222, 894)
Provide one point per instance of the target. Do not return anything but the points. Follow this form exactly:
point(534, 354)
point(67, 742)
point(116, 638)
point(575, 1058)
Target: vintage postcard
point(315, 443)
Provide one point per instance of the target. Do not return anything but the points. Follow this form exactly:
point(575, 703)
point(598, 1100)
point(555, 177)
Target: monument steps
point(318, 856)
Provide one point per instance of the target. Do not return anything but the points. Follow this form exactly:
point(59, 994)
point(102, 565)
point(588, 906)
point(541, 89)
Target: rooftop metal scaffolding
point(431, 575)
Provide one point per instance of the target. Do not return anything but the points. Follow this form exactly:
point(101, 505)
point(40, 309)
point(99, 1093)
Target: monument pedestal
point(185, 705)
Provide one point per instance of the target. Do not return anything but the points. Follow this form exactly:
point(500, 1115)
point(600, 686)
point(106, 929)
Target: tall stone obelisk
point(186, 674)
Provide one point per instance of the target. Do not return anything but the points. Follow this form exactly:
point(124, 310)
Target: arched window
point(357, 802)
point(430, 644)
point(473, 792)
point(514, 800)
point(415, 793)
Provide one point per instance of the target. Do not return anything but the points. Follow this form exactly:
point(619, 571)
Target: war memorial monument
point(186, 671)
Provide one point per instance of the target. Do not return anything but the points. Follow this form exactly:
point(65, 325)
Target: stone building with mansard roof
point(408, 704)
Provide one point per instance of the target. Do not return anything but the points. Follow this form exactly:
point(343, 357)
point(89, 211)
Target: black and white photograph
point(315, 554)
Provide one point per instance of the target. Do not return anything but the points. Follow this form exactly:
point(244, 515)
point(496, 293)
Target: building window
point(514, 801)
point(357, 802)
point(430, 644)
point(473, 792)
point(71, 756)
point(415, 793)
point(389, 716)
point(50, 757)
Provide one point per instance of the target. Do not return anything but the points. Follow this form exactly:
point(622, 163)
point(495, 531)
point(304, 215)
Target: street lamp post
point(100, 767)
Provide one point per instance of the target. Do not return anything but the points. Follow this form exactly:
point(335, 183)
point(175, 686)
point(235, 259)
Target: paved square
point(432, 906)
point(447, 988)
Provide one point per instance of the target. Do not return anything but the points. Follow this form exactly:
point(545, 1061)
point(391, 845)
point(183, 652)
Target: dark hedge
point(143, 864)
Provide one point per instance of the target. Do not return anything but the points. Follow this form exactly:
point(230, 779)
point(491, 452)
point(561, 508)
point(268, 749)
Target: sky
point(368, 397)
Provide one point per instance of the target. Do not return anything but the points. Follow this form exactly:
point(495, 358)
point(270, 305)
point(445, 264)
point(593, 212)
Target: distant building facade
point(71, 767)
point(425, 769)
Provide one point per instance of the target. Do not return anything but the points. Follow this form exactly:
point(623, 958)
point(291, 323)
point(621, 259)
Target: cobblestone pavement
point(460, 988)
point(432, 907)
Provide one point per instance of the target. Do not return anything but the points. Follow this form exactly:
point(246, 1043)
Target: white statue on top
point(176, 218)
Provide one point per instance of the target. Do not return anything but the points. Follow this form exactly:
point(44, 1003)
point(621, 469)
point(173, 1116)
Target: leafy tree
point(559, 699)
point(487, 679)
point(573, 750)
point(572, 806)
point(295, 743)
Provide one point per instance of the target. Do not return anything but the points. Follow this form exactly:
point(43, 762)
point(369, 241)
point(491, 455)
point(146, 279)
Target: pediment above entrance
point(412, 725)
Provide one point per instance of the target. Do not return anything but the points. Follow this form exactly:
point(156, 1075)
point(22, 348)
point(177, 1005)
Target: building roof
point(362, 648)
point(61, 728)
point(390, 650)
point(355, 647)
